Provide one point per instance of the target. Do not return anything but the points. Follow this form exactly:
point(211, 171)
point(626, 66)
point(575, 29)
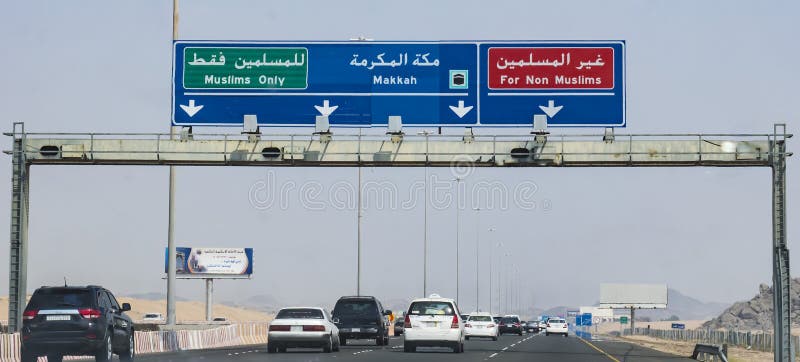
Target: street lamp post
point(477, 259)
point(458, 230)
point(358, 223)
point(491, 273)
point(425, 222)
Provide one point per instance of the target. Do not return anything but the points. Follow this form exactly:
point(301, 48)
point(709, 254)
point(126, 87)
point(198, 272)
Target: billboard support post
point(209, 299)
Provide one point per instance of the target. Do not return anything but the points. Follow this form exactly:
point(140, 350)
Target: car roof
point(434, 298)
point(288, 308)
point(482, 314)
point(364, 297)
point(68, 287)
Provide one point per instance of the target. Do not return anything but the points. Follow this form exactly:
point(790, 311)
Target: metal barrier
point(757, 341)
point(705, 350)
point(240, 334)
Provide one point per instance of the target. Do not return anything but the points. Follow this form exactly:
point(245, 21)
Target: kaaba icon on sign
point(459, 79)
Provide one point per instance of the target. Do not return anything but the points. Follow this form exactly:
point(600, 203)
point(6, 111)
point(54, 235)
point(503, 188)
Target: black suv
point(61, 321)
point(510, 325)
point(361, 318)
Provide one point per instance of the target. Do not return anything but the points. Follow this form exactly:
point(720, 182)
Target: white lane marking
point(506, 348)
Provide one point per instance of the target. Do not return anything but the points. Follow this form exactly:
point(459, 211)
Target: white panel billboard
point(640, 296)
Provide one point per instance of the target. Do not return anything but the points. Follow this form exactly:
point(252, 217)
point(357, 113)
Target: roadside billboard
point(212, 262)
point(638, 296)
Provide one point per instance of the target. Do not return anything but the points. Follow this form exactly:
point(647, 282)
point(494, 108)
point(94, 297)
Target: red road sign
point(551, 68)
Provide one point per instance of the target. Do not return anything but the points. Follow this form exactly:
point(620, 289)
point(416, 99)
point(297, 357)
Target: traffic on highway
point(66, 320)
point(511, 348)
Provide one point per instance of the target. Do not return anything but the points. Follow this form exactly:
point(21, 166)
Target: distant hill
point(684, 307)
point(755, 314)
point(262, 302)
point(557, 311)
point(185, 310)
point(155, 296)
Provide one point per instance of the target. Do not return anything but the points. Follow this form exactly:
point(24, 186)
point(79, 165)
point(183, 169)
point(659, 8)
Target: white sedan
point(556, 326)
point(307, 327)
point(481, 325)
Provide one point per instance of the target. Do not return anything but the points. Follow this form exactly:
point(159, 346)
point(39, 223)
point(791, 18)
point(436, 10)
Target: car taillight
point(468, 325)
point(407, 322)
point(313, 328)
point(548, 325)
point(89, 313)
point(490, 325)
point(278, 328)
point(29, 314)
point(516, 324)
point(455, 322)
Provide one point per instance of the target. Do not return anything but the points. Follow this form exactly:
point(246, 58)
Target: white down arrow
point(461, 111)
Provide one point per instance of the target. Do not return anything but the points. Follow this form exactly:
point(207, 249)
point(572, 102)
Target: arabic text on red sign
point(551, 68)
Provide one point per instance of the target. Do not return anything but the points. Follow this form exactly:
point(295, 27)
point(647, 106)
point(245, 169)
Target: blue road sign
point(585, 319)
point(573, 83)
point(353, 83)
point(678, 326)
point(361, 84)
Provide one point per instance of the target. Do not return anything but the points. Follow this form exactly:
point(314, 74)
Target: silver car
point(303, 327)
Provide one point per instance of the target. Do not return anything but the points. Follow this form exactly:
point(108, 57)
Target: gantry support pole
point(781, 279)
point(18, 241)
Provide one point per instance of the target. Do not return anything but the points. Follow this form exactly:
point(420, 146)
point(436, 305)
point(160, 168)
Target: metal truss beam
point(388, 151)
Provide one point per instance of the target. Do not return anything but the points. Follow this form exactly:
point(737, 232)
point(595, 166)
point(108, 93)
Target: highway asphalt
point(507, 349)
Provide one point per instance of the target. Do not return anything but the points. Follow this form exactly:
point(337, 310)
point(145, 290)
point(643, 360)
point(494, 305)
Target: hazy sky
point(692, 66)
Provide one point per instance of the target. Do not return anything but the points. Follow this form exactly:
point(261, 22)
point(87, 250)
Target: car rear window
point(60, 298)
point(480, 318)
point(510, 320)
point(557, 321)
point(300, 313)
point(355, 307)
point(431, 308)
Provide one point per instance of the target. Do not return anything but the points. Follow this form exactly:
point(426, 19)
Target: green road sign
point(623, 320)
point(245, 68)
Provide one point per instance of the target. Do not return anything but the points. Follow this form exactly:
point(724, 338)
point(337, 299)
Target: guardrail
point(750, 340)
point(240, 334)
point(705, 350)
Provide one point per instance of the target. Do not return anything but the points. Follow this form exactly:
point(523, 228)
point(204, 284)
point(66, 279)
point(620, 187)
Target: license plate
point(355, 330)
point(297, 328)
point(59, 318)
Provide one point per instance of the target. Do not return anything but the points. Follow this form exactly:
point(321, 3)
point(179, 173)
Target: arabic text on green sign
point(245, 68)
